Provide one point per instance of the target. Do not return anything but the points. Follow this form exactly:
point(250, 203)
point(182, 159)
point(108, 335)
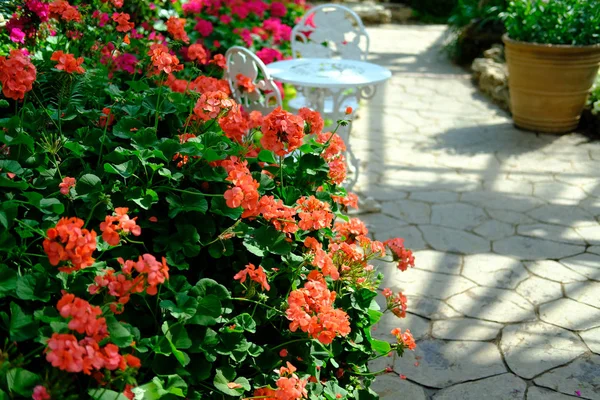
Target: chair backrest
point(266, 95)
point(330, 31)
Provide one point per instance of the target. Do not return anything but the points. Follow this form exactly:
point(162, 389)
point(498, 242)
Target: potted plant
point(553, 55)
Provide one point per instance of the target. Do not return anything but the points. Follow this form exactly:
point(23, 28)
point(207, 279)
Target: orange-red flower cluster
point(162, 60)
point(351, 200)
point(219, 61)
point(197, 52)
point(314, 214)
point(278, 214)
point(67, 62)
point(313, 120)
point(244, 193)
point(113, 225)
point(321, 259)
point(337, 170)
point(402, 255)
point(84, 317)
point(335, 145)
point(396, 304)
point(69, 242)
point(66, 185)
point(311, 309)
point(348, 231)
point(122, 20)
point(211, 104)
point(61, 9)
point(17, 75)
point(289, 386)
point(176, 27)
point(245, 83)
point(406, 339)
point(234, 125)
point(66, 353)
point(150, 273)
point(282, 132)
point(255, 274)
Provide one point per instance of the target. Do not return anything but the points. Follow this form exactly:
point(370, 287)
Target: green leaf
point(224, 376)
point(89, 183)
point(105, 394)
point(221, 248)
point(182, 357)
point(8, 280)
point(269, 239)
point(11, 166)
point(206, 286)
point(21, 381)
point(209, 308)
point(52, 205)
point(381, 346)
point(219, 206)
point(125, 169)
point(267, 156)
point(191, 200)
point(22, 326)
point(119, 335)
point(242, 322)
point(185, 308)
point(150, 198)
point(34, 287)
point(138, 86)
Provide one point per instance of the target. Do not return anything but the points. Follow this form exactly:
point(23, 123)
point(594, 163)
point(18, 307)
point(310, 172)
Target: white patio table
point(329, 86)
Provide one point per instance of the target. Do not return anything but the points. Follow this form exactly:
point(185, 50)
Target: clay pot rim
point(508, 40)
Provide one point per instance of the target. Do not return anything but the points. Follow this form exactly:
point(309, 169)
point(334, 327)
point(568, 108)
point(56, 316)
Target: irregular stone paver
point(457, 179)
point(424, 283)
point(554, 271)
point(538, 290)
point(563, 215)
point(551, 232)
point(492, 304)
point(588, 293)
point(457, 215)
point(413, 239)
point(570, 314)
point(389, 385)
point(494, 230)
point(442, 364)
point(413, 212)
point(592, 339)
point(528, 248)
point(496, 201)
point(435, 196)
point(437, 261)
point(501, 387)
point(465, 329)
point(430, 308)
point(536, 393)
point(448, 239)
point(582, 375)
point(494, 270)
point(535, 347)
point(584, 264)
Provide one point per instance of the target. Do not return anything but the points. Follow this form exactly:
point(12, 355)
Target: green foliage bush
point(568, 22)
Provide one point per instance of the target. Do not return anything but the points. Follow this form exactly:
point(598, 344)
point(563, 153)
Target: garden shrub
point(157, 241)
point(477, 26)
point(569, 22)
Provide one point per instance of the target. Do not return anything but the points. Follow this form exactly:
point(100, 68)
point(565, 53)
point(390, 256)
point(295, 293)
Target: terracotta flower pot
point(549, 84)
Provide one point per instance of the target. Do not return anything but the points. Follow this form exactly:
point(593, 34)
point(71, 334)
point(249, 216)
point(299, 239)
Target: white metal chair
point(329, 31)
point(266, 96)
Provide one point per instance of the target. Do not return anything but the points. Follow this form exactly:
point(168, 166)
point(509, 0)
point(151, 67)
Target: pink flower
point(17, 35)
point(66, 185)
point(40, 393)
point(269, 55)
point(278, 9)
point(204, 27)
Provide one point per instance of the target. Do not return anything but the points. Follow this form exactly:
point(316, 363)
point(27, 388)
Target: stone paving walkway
point(505, 296)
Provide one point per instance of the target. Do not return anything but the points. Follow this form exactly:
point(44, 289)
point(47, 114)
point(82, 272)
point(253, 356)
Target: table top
point(328, 73)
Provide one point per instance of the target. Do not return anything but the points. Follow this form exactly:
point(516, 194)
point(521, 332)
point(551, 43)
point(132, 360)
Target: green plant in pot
point(553, 55)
